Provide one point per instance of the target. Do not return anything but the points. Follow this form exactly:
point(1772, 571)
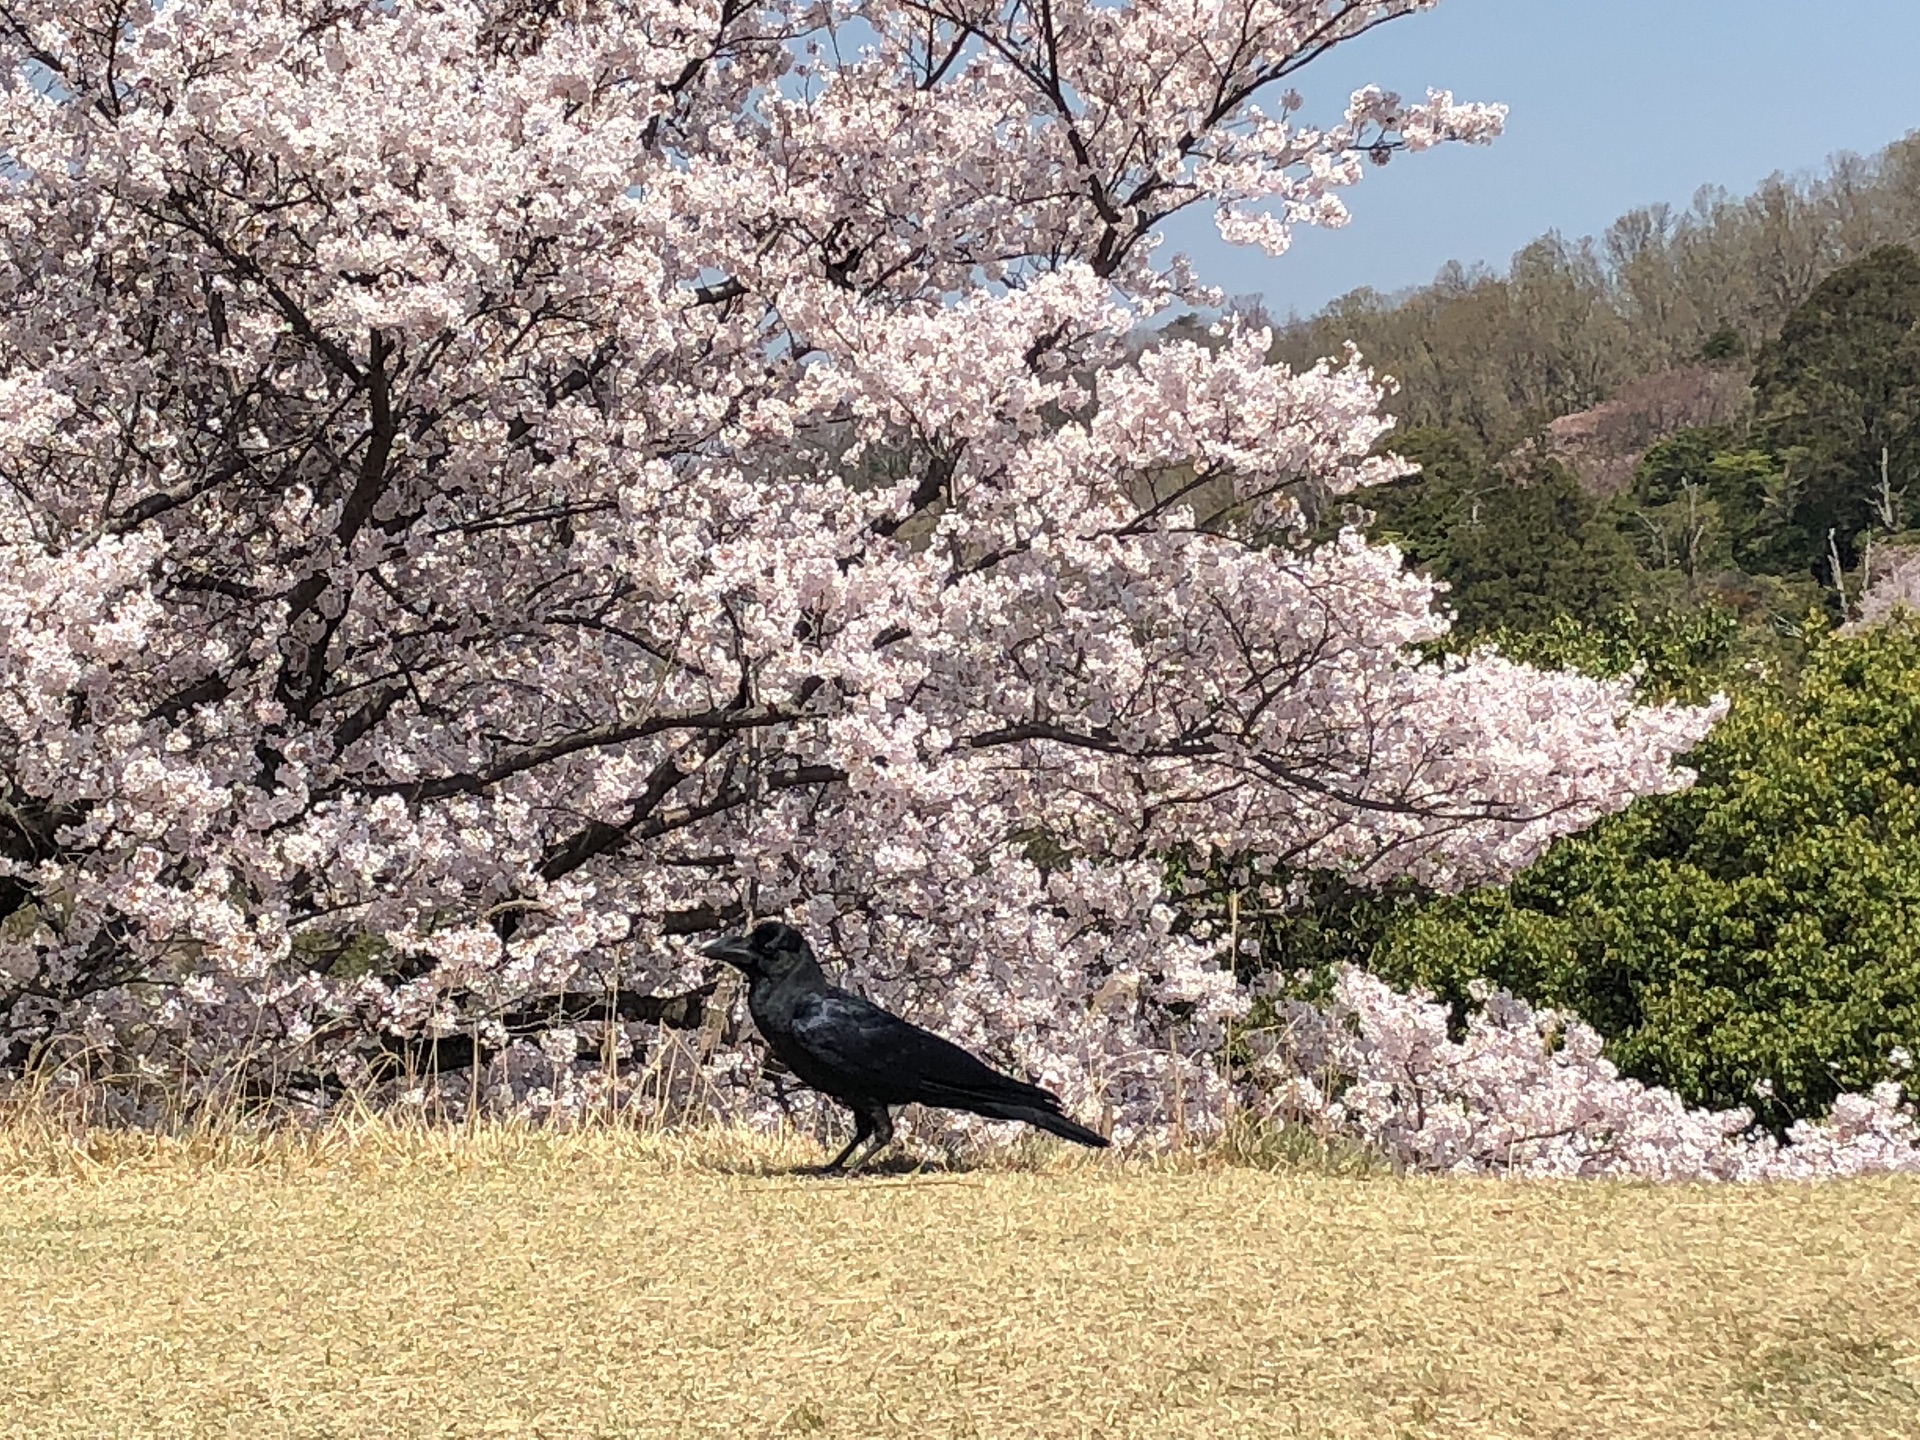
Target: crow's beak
point(733, 949)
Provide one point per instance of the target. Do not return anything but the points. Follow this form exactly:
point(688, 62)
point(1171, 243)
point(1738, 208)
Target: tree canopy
point(1570, 322)
point(1838, 400)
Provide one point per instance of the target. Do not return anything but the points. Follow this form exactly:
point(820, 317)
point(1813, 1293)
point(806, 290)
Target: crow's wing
point(878, 1055)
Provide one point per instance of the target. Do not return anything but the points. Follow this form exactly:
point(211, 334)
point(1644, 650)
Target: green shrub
point(1762, 928)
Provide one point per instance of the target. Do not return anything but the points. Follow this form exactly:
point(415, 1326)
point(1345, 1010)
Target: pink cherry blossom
point(1528, 1092)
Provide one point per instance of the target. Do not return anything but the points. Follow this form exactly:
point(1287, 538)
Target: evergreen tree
point(1516, 552)
point(1838, 397)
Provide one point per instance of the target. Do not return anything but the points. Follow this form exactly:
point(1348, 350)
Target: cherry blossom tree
point(492, 490)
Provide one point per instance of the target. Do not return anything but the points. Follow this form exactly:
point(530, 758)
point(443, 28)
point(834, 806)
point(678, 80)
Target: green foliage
point(1515, 555)
point(1682, 459)
point(1838, 396)
point(1683, 654)
point(1681, 573)
point(1702, 503)
point(1723, 344)
point(1763, 926)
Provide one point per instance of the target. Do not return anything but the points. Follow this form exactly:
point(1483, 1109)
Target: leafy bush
point(1754, 940)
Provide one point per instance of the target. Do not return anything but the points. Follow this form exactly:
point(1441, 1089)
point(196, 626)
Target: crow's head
point(772, 950)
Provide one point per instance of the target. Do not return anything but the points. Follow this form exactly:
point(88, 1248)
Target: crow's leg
point(862, 1128)
point(880, 1121)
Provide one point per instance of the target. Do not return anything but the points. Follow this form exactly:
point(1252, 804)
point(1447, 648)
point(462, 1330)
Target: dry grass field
point(603, 1283)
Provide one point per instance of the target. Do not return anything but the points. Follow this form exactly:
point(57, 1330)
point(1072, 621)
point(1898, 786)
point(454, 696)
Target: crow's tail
point(1051, 1121)
point(1066, 1129)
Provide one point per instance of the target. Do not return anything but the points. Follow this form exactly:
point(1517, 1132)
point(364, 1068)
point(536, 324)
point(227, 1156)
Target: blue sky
point(1615, 103)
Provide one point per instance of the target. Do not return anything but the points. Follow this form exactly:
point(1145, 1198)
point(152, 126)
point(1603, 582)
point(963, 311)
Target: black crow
point(864, 1057)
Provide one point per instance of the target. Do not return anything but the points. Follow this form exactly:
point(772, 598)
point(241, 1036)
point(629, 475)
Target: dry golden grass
point(377, 1281)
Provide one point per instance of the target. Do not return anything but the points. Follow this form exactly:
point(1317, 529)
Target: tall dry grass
point(373, 1277)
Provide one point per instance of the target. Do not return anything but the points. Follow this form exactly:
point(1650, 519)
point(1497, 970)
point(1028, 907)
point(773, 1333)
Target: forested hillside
point(1570, 323)
point(1710, 406)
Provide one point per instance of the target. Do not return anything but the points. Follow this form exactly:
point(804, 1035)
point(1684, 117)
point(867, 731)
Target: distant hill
point(1572, 324)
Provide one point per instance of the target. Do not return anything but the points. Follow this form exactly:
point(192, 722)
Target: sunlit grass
point(375, 1278)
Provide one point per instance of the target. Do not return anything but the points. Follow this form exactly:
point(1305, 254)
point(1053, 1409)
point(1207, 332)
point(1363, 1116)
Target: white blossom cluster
point(1527, 1092)
point(491, 490)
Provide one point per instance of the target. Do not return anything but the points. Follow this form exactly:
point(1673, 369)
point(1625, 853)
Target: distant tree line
point(1570, 322)
point(1771, 512)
